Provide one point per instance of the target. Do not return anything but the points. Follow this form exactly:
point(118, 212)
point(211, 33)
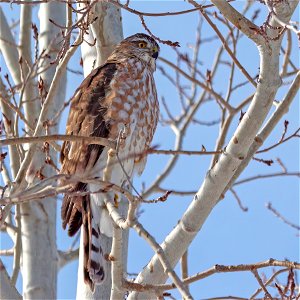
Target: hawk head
point(139, 45)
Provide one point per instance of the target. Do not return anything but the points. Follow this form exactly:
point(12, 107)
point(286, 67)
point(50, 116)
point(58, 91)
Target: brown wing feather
point(86, 118)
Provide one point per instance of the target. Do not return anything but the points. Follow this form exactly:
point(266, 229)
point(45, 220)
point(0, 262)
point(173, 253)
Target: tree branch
point(9, 49)
point(7, 291)
point(240, 21)
point(58, 137)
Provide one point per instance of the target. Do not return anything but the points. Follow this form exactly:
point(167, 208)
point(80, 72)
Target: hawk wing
point(86, 118)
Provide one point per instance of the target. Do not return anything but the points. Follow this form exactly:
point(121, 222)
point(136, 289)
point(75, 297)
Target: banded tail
point(77, 211)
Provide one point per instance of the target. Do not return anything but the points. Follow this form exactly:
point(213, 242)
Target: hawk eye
point(142, 44)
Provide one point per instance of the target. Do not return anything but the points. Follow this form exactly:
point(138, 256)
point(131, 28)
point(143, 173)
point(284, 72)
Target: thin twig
point(243, 208)
point(256, 275)
point(256, 177)
point(278, 215)
point(202, 85)
point(281, 141)
point(183, 152)
point(268, 282)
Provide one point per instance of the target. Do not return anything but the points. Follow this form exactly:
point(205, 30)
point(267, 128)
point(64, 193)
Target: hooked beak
point(155, 52)
point(155, 55)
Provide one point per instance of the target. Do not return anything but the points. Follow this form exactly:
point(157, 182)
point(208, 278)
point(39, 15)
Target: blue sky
point(229, 236)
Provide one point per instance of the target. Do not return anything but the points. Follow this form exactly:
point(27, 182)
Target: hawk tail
point(76, 211)
point(93, 261)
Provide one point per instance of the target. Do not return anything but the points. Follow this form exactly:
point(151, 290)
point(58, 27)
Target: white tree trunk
point(108, 32)
point(39, 253)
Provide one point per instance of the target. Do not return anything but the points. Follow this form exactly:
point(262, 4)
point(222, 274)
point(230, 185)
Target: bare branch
point(17, 247)
point(163, 259)
point(184, 266)
point(7, 291)
point(9, 49)
point(256, 177)
point(115, 257)
point(278, 215)
point(287, 265)
point(7, 252)
point(170, 43)
point(256, 275)
point(240, 21)
point(269, 281)
point(287, 54)
point(281, 141)
point(65, 257)
point(183, 152)
point(243, 208)
point(58, 137)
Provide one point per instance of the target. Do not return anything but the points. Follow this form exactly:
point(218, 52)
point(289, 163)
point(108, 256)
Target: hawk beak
point(155, 52)
point(155, 55)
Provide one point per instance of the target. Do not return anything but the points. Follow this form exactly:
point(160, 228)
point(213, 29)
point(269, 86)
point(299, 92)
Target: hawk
point(119, 96)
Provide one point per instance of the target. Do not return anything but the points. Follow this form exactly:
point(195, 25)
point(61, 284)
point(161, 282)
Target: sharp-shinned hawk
point(119, 96)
